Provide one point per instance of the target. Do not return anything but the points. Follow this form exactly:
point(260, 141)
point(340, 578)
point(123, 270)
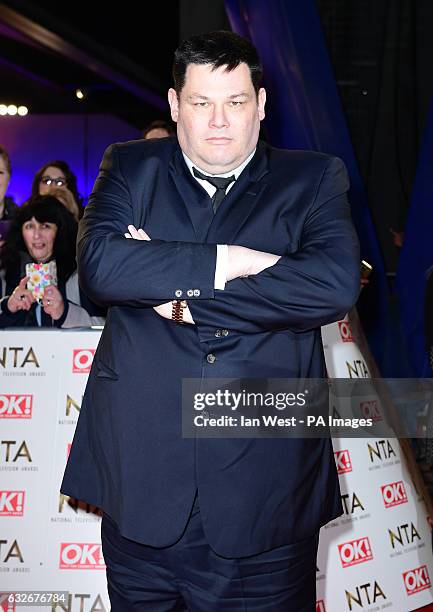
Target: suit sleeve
point(314, 286)
point(114, 270)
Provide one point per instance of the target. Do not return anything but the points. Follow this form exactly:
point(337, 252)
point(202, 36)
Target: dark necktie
point(220, 182)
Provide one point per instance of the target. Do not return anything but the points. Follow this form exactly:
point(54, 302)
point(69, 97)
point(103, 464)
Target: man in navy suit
point(218, 257)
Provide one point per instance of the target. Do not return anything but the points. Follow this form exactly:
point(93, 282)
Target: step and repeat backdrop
point(376, 556)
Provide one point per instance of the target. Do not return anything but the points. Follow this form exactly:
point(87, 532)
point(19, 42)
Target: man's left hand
point(164, 310)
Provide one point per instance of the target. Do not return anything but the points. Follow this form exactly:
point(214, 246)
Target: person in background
point(7, 205)
point(158, 129)
point(43, 230)
point(56, 178)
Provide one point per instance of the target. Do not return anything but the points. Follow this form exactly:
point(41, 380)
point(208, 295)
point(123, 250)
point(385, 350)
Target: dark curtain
point(304, 111)
point(416, 261)
point(381, 54)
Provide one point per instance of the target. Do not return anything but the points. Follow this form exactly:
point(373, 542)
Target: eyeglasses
point(59, 181)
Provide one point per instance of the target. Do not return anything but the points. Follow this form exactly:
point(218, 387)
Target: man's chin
point(220, 162)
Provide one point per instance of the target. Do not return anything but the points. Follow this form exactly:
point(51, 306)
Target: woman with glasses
point(57, 179)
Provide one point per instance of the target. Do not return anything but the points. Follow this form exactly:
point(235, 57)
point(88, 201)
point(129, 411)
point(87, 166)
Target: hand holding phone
point(21, 298)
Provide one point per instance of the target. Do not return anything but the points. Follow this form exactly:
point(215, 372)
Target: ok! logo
point(394, 494)
point(7, 603)
point(355, 551)
point(342, 461)
point(416, 580)
point(82, 360)
point(371, 410)
point(75, 555)
point(345, 331)
point(12, 503)
point(14, 406)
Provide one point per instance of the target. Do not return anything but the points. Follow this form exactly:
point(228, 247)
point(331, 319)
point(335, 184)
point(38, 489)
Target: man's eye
point(201, 104)
point(236, 103)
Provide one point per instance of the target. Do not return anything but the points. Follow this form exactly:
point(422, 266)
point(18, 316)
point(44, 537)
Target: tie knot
point(220, 182)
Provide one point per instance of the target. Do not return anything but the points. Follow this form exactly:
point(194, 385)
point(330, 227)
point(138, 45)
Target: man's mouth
point(218, 140)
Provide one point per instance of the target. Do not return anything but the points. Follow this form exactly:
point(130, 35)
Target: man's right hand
point(247, 262)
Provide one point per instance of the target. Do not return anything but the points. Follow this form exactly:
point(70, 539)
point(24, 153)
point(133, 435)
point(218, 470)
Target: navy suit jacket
point(128, 455)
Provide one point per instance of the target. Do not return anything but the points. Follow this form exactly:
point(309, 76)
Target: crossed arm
point(242, 262)
point(314, 286)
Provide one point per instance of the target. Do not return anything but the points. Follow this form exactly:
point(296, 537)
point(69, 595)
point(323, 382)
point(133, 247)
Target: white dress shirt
point(222, 249)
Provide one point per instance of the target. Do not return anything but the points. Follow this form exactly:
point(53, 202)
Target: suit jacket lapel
point(195, 204)
point(194, 200)
point(240, 200)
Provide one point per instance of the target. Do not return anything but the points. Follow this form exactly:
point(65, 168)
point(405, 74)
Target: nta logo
point(15, 357)
point(9, 453)
point(351, 503)
point(357, 368)
point(404, 535)
point(366, 594)
point(13, 551)
point(381, 449)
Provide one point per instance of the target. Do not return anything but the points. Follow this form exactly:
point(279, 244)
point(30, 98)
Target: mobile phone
point(366, 269)
point(40, 276)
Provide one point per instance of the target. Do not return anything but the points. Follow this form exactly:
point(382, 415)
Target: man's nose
point(219, 117)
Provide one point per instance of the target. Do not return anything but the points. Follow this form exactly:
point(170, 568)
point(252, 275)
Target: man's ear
point(261, 99)
point(174, 104)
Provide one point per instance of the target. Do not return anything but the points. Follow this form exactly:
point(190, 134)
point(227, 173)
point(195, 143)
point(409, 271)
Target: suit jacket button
point(197, 292)
point(224, 332)
point(218, 333)
point(210, 358)
point(190, 293)
point(178, 293)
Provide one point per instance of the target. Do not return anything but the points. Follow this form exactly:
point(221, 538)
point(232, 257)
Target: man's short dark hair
point(219, 48)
